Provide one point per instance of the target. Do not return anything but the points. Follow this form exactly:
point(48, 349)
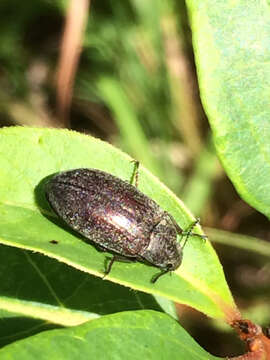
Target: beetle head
point(163, 250)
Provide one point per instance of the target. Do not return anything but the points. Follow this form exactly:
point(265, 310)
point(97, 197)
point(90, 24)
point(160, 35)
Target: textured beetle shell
point(114, 214)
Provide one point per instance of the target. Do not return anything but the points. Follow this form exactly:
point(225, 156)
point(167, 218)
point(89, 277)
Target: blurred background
point(124, 72)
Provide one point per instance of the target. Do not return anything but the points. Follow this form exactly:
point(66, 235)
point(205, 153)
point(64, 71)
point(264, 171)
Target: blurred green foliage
point(123, 66)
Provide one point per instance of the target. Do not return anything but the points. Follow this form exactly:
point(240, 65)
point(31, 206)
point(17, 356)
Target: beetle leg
point(157, 276)
point(188, 232)
point(118, 258)
point(109, 267)
point(135, 173)
point(177, 227)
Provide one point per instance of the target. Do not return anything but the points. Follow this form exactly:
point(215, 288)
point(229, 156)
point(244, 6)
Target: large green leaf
point(27, 156)
point(232, 49)
point(126, 335)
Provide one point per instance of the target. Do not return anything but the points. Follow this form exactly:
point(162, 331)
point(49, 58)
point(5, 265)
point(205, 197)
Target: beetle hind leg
point(135, 173)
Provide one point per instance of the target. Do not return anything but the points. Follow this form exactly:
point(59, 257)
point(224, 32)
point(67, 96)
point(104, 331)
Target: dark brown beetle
point(117, 217)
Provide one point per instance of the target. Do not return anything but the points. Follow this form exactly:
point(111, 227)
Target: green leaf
point(27, 156)
point(126, 335)
point(232, 49)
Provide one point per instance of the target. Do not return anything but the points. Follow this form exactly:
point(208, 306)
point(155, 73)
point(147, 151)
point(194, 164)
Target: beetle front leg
point(188, 232)
point(157, 276)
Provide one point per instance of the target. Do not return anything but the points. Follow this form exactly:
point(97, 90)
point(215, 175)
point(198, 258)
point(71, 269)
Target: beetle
point(117, 217)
